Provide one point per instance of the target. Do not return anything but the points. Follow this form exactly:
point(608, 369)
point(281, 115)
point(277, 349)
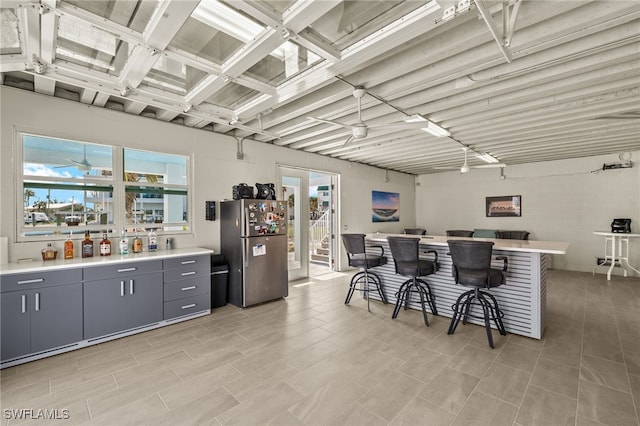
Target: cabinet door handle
point(127, 269)
point(189, 306)
point(122, 288)
point(37, 280)
point(37, 302)
point(24, 303)
point(130, 286)
point(187, 262)
point(184, 274)
point(188, 288)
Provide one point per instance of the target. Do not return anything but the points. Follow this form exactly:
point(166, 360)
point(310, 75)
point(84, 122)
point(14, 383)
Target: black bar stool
point(405, 252)
point(359, 258)
point(472, 268)
point(414, 231)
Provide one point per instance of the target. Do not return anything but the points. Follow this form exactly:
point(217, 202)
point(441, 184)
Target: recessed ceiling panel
point(173, 76)
point(233, 96)
point(83, 44)
point(283, 63)
point(203, 40)
point(129, 13)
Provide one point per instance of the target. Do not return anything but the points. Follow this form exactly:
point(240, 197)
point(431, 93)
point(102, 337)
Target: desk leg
point(626, 256)
point(613, 258)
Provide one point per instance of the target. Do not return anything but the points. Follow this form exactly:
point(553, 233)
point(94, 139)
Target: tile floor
point(311, 360)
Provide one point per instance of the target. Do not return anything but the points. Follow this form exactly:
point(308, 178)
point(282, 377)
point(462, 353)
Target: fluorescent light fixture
point(431, 127)
point(488, 158)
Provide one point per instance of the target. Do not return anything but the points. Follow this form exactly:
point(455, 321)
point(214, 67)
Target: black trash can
point(219, 281)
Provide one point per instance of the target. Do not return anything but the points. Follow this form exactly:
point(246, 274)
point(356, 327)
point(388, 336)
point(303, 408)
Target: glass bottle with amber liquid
point(136, 245)
point(68, 247)
point(87, 245)
point(105, 245)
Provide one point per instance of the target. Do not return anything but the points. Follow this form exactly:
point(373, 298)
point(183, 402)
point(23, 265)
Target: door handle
point(24, 303)
point(130, 286)
point(121, 288)
point(37, 302)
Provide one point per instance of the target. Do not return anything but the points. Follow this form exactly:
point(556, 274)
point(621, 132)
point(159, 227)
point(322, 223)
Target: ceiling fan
point(83, 165)
point(360, 129)
point(466, 167)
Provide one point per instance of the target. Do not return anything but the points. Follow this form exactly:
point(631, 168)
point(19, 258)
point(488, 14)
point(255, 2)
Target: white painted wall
point(216, 168)
point(561, 201)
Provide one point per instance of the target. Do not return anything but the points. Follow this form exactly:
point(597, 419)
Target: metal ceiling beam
point(484, 12)
point(48, 32)
point(101, 99)
point(133, 107)
point(87, 96)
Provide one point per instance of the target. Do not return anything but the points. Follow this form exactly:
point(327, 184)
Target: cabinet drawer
point(187, 272)
point(121, 269)
point(186, 288)
point(186, 306)
point(180, 262)
point(39, 279)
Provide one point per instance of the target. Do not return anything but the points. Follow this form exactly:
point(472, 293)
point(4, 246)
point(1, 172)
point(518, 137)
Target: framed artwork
point(507, 206)
point(385, 206)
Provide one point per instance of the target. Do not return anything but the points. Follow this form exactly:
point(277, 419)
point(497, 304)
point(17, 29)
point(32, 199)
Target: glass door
point(294, 186)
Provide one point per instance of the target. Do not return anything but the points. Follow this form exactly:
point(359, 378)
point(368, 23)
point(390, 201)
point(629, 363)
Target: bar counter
point(522, 299)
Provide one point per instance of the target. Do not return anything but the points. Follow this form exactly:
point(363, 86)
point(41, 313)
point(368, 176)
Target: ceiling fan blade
point(396, 126)
point(83, 166)
point(489, 166)
point(349, 139)
point(335, 123)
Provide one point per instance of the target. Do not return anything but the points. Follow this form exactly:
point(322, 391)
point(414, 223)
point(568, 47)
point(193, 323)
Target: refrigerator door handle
point(246, 222)
point(245, 247)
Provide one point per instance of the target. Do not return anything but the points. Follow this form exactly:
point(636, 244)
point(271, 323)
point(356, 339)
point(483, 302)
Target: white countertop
point(58, 264)
point(531, 246)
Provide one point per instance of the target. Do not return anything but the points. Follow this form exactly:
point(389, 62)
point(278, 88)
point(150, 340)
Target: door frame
point(303, 173)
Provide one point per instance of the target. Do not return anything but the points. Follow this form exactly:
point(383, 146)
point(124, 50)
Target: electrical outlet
point(449, 13)
point(464, 5)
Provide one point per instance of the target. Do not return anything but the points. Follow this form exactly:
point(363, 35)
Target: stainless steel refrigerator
point(253, 239)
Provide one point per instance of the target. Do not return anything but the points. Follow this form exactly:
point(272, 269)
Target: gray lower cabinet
point(117, 304)
point(38, 319)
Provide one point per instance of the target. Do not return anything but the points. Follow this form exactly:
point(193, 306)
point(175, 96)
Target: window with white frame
point(73, 187)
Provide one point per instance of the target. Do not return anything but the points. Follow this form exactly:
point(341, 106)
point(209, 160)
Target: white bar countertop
point(58, 264)
point(530, 246)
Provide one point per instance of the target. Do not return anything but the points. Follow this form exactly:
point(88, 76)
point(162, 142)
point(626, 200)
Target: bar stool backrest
point(405, 252)
point(415, 231)
point(354, 244)
point(459, 233)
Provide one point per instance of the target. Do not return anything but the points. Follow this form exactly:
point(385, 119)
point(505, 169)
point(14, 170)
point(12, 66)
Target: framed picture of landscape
point(509, 205)
point(385, 206)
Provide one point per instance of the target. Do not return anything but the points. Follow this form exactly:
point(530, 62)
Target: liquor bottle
point(87, 245)
point(49, 253)
point(68, 247)
point(123, 244)
point(137, 243)
point(153, 240)
point(105, 246)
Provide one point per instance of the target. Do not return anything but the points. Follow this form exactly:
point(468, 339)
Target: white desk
point(616, 249)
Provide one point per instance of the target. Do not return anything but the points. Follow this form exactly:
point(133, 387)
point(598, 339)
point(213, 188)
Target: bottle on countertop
point(49, 253)
point(105, 245)
point(123, 244)
point(153, 240)
point(68, 247)
point(136, 246)
point(87, 245)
